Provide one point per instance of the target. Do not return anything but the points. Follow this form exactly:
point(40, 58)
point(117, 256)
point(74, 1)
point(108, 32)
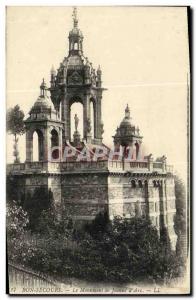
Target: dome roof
point(43, 103)
point(127, 133)
point(126, 122)
point(126, 128)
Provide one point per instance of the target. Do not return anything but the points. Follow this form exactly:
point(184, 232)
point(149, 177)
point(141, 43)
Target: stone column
point(47, 144)
point(29, 146)
point(150, 162)
point(98, 134)
point(151, 200)
point(139, 151)
point(86, 114)
point(60, 143)
point(65, 115)
point(163, 204)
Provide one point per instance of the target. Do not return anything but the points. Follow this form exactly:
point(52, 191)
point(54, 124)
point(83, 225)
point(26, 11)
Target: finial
point(43, 88)
point(127, 112)
point(99, 69)
point(74, 15)
point(52, 71)
point(127, 108)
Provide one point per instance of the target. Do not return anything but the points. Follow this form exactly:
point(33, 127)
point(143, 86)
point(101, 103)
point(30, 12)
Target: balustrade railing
point(136, 164)
point(89, 165)
point(157, 165)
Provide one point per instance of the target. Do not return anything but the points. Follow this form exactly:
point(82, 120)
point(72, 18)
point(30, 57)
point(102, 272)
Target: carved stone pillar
point(29, 146)
point(98, 126)
point(47, 144)
point(163, 205)
point(86, 115)
point(65, 115)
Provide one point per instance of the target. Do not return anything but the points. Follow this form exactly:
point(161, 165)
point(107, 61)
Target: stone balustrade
point(55, 167)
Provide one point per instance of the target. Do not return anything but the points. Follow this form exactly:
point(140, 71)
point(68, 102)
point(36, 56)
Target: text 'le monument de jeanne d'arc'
point(84, 175)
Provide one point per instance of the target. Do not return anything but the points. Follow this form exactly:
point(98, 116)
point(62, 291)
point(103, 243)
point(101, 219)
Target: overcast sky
point(143, 54)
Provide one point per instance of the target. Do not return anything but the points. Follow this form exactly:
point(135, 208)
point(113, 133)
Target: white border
point(3, 4)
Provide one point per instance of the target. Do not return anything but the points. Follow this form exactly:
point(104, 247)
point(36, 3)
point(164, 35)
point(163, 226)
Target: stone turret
point(76, 80)
point(127, 134)
point(45, 122)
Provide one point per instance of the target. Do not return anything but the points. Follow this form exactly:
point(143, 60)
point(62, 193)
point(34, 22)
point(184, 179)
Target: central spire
point(127, 112)
point(75, 19)
point(75, 36)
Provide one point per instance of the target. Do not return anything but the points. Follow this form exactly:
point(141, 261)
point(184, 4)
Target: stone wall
point(84, 195)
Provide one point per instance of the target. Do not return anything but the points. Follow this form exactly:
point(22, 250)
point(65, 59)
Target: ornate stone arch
point(40, 135)
point(55, 142)
point(140, 183)
point(133, 183)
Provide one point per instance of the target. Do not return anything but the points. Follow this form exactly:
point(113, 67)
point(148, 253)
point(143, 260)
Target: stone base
point(82, 192)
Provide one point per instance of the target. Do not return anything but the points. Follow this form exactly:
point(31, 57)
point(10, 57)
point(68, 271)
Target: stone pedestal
point(76, 138)
point(89, 138)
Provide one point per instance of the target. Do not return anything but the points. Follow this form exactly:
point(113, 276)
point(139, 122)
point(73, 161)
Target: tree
point(181, 209)
point(181, 221)
point(40, 201)
point(16, 221)
point(124, 250)
point(98, 225)
point(15, 126)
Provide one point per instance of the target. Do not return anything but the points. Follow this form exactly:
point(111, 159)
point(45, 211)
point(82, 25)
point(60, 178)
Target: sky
point(143, 54)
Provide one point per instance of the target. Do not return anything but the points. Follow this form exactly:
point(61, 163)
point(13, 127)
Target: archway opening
point(77, 117)
point(133, 184)
point(54, 144)
point(38, 149)
point(92, 116)
point(75, 46)
point(140, 184)
point(137, 150)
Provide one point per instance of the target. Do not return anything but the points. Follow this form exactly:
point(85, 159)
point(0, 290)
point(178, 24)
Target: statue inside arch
point(76, 119)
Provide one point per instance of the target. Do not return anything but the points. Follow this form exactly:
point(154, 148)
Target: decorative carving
point(101, 126)
point(75, 79)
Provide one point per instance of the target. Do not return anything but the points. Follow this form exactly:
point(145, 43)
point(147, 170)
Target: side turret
point(99, 74)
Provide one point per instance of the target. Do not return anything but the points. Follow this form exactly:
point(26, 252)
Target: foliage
point(15, 126)
point(126, 251)
point(181, 220)
point(17, 221)
point(181, 210)
point(15, 123)
point(41, 200)
point(99, 225)
point(118, 250)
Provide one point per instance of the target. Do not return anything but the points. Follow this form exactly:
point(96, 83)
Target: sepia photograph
point(98, 105)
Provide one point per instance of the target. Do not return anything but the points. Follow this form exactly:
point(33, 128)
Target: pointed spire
point(127, 112)
point(75, 18)
point(99, 69)
point(43, 88)
point(52, 71)
point(138, 130)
